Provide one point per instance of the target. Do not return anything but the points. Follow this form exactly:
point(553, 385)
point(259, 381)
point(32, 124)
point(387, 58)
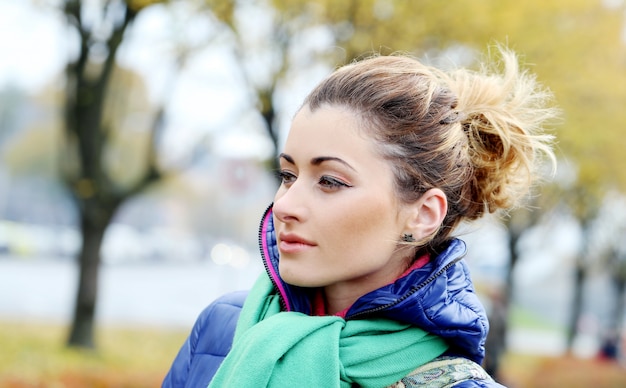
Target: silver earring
point(408, 237)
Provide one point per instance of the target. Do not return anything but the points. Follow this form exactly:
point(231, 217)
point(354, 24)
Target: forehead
point(329, 128)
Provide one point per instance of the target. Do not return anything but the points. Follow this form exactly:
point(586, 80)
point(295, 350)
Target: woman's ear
point(427, 214)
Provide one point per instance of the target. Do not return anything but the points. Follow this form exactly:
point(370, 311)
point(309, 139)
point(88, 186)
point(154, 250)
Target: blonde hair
point(476, 135)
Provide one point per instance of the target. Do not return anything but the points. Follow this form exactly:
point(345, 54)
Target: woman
point(365, 284)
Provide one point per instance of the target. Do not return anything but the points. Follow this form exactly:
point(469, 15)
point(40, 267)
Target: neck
point(339, 297)
point(335, 304)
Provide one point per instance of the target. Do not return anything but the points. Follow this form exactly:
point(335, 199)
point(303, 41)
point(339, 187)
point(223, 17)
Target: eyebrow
point(319, 160)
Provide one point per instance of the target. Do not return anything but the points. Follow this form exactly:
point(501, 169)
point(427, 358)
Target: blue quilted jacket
point(438, 297)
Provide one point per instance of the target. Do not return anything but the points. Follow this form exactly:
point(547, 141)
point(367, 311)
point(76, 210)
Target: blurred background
point(137, 145)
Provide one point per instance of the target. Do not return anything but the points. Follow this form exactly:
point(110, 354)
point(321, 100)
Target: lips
point(292, 243)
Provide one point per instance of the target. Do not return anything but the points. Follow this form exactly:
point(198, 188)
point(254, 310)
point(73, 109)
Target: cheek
point(364, 223)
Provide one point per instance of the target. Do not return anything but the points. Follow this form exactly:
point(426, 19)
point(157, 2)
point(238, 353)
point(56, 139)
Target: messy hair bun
point(504, 114)
point(476, 135)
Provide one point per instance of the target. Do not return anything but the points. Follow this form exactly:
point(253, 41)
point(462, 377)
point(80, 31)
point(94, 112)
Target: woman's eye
point(332, 183)
point(286, 177)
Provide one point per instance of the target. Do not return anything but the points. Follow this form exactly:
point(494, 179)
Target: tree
point(91, 132)
point(97, 195)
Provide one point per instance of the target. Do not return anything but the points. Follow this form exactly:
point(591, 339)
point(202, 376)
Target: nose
point(289, 203)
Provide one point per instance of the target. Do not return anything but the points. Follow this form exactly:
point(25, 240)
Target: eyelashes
point(326, 182)
point(331, 182)
point(286, 177)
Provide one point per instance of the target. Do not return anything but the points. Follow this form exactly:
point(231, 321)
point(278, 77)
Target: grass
point(33, 355)
point(536, 371)
point(527, 371)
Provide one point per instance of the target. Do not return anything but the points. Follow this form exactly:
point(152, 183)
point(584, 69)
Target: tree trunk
point(82, 330)
point(95, 194)
point(269, 117)
point(499, 314)
point(576, 309)
point(619, 305)
point(580, 276)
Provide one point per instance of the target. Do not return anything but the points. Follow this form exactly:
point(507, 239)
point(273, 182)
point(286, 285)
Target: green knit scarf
point(288, 349)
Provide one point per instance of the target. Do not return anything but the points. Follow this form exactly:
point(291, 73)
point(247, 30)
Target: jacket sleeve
point(208, 343)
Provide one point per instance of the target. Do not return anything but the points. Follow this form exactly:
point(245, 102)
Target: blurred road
point(155, 294)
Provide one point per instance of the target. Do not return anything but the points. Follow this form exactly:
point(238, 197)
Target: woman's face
point(337, 219)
